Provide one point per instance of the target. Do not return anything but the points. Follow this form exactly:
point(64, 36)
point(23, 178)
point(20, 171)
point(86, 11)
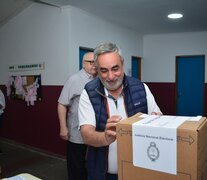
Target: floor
point(18, 159)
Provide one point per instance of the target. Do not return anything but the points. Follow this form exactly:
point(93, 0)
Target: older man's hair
point(107, 48)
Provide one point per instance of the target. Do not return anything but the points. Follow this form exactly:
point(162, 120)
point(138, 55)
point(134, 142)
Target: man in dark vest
point(105, 101)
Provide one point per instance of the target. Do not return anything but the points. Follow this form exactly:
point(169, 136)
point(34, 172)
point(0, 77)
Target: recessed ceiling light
point(175, 16)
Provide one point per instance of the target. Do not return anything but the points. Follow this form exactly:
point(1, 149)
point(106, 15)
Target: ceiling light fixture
point(175, 16)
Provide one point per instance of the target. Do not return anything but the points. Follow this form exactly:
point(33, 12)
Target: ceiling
point(143, 16)
point(10, 8)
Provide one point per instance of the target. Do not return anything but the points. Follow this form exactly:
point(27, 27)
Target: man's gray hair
point(107, 48)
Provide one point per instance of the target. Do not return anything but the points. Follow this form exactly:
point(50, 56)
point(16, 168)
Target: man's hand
point(64, 133)
point(156, 113)
point(110, 130)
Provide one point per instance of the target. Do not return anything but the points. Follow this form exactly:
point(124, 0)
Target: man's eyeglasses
point(90, 61)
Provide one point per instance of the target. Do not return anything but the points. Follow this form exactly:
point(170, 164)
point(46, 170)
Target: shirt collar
point(107, 93)
point(89, 75)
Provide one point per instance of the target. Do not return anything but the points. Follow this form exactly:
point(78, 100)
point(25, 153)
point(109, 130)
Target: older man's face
point(110, 70)
point(89, 64)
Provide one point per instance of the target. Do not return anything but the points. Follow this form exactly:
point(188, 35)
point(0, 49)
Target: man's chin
point(112, 87)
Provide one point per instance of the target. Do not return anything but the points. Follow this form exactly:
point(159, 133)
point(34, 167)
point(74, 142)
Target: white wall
point(52, 35)
point(38, 34)
point(89, 31)
point(160, 52)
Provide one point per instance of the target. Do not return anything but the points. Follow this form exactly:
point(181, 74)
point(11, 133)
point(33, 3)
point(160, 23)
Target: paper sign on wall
point(27, 67)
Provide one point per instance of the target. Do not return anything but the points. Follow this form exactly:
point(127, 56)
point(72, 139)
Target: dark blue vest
point(135, 101)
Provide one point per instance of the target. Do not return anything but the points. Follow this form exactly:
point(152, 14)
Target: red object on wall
point(165, 96)
point(36, 126)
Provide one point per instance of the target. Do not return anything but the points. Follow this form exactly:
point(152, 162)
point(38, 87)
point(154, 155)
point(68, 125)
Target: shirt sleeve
point(2, 100)
point(68, 92)
point(151, 104)
point(86, 113)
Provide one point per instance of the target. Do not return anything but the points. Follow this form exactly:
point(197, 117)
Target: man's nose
point(110, 75)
